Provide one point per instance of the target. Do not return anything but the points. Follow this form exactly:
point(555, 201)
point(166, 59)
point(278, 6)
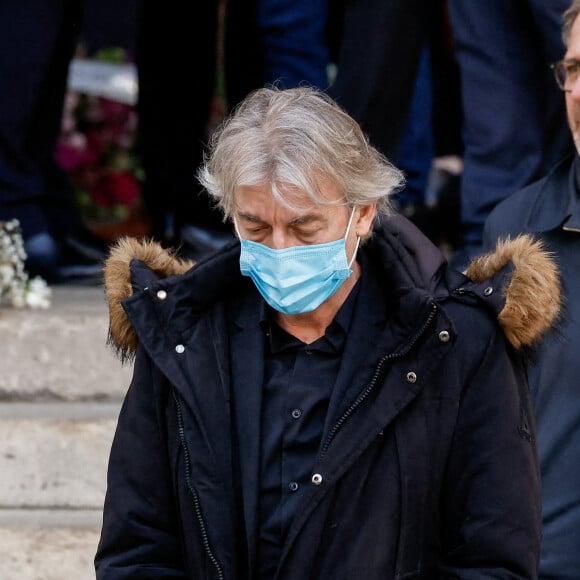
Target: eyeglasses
point(566, 73)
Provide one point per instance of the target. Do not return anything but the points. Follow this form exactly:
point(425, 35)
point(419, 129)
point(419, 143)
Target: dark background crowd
point(458, 94)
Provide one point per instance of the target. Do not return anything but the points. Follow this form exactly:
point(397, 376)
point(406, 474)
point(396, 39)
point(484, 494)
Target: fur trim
point(118, 284)
point(532, 298)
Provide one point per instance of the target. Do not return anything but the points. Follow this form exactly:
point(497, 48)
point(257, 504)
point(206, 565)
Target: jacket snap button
point(179, 349)
point(162, 295)
point(317, 479)
point(411, 377)
point(444, 336)
point(488, 291)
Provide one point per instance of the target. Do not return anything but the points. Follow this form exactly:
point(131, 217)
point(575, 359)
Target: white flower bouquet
point(16, 288)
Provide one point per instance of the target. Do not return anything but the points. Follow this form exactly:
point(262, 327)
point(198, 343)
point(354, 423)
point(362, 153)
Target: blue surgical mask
point(299, 279)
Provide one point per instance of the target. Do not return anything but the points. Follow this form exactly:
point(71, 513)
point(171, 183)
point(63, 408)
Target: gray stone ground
point(60, 393)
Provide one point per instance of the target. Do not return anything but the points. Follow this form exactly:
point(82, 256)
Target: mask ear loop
point(357, 238)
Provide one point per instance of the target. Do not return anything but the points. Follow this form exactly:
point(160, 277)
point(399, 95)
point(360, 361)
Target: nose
point(278, 239)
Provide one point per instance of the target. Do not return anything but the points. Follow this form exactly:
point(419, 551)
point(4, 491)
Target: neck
point(311, 326)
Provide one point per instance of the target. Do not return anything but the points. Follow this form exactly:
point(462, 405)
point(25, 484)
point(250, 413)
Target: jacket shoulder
point(536, 207)
point(509, 216)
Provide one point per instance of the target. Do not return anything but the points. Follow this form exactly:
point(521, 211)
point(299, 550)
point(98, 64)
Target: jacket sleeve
point(139, 537)
point(491, 501)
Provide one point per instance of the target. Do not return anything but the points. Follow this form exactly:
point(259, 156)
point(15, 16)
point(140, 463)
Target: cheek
point(572, 109)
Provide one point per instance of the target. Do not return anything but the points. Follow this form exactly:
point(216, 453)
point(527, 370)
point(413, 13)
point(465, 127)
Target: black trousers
point(37, 41)
point(381, 42)
point(176, 56)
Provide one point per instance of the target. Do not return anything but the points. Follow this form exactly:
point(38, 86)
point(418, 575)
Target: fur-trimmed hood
point(119, 285)
point(527, 306)
point(532, 299)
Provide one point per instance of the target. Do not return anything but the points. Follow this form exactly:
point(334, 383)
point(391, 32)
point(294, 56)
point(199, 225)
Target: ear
point(364, 220)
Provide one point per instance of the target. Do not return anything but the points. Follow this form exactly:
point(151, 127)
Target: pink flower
point(72, 152)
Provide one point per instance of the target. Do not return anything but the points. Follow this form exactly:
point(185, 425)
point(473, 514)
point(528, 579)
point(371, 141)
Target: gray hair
point(568, 20)
point(293, 137)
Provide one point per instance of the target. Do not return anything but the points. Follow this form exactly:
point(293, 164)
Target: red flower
point(116, 189)
point(116, 114)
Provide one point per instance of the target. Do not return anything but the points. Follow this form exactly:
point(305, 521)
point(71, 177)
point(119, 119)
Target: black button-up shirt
point(298, 382)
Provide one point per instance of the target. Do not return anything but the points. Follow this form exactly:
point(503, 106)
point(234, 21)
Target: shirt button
point(297, 413)
point(162, 295)
point(293, 486)
point(179, 349)
point(316, 479)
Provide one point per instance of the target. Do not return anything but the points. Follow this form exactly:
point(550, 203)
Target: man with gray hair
point(322, 399)
point(549, 209)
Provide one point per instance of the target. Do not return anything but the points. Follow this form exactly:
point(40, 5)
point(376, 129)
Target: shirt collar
point(334, 337)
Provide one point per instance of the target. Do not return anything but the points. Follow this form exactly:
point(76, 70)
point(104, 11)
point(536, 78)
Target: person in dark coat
point(549, 210)
point(37, 42)
point(513, 127)
point(322, 398)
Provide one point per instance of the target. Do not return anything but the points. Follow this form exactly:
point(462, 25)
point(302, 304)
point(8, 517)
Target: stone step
point(60, 353)
point(53, 463)
point(48, 544)
point(60, 394)
point(55, 454)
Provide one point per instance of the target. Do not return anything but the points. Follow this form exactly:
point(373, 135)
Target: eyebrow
point(296, 221)
point(250, 217)
point(306, 219)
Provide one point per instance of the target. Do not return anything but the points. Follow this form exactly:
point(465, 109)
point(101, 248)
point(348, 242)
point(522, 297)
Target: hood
point(119, 283)
point(526, 307)
point(532, 298)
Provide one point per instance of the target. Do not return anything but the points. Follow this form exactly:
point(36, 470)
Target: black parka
point(428, 470)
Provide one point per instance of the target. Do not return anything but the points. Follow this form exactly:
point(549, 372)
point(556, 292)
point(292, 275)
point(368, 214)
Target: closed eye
point(306, 232)
point(256, 229)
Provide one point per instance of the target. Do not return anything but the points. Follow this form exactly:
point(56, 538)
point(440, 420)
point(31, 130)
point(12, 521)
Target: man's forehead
point(289, 196)
point(292, 217)
point(254, 209)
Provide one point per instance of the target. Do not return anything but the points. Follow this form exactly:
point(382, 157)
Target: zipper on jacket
point(196, 502)
point(371, 386)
